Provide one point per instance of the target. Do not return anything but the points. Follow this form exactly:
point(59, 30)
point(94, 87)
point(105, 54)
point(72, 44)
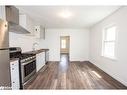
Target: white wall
point(25, 42)
point(116, 68)
point(79, 43)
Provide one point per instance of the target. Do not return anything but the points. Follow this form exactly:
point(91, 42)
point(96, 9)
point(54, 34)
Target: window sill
point(110, 58)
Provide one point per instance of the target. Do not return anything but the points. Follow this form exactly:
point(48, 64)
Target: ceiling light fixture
point(65, 14)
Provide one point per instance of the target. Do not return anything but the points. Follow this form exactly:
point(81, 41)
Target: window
point(109, 39)
point(63, 43)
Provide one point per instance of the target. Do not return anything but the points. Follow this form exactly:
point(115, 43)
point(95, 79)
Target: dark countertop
point(13, 59)
point(36, 51)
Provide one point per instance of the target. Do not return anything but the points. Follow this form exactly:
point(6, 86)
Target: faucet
point(34, 44)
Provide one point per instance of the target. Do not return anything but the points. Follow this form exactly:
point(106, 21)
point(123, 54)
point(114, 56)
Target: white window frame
point(104, 41)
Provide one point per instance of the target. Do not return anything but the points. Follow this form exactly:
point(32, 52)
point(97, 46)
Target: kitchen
point(23, 64)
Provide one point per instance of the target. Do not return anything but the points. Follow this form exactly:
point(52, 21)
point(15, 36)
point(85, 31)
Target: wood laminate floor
point(73, 75)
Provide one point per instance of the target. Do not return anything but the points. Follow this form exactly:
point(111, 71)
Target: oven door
point(28, 69)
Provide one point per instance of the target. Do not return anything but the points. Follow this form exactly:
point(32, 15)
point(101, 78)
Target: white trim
point(109, 57)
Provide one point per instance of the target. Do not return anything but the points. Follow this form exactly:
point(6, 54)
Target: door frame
point(68, 36)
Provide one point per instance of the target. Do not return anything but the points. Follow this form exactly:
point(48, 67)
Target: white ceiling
point(81, 16)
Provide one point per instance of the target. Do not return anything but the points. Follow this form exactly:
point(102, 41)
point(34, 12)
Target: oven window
point(28, 68)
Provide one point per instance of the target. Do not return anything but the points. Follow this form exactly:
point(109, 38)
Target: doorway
point(64, 48)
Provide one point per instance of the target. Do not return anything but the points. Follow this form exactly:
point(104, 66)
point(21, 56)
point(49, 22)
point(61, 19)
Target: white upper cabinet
point(26, 22)
point(39, 32)
point(2, 12)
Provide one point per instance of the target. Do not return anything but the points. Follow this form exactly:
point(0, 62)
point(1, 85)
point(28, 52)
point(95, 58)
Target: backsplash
point(25, 42)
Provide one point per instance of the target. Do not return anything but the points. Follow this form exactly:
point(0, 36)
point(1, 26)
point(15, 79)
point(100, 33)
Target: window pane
point(63, 43)
point(110, 33)
point(109, 49)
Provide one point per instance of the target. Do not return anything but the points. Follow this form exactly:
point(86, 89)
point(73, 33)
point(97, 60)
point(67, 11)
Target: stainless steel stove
point(27, 65)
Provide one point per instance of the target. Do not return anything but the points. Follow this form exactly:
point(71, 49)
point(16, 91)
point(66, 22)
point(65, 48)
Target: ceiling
point(80, 16)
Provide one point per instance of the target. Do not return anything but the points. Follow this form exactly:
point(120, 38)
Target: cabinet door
point(39, 32)
point(38, 62)
point(15, 74)
point(40, 59)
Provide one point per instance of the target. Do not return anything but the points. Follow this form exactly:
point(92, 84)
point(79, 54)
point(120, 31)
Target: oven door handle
point(28, 62)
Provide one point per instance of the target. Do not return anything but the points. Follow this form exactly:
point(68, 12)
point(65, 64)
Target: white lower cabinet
point(40, 60)
point(14, 66)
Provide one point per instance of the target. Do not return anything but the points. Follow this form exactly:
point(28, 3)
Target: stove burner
point(24, 56)
point(16, 52)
